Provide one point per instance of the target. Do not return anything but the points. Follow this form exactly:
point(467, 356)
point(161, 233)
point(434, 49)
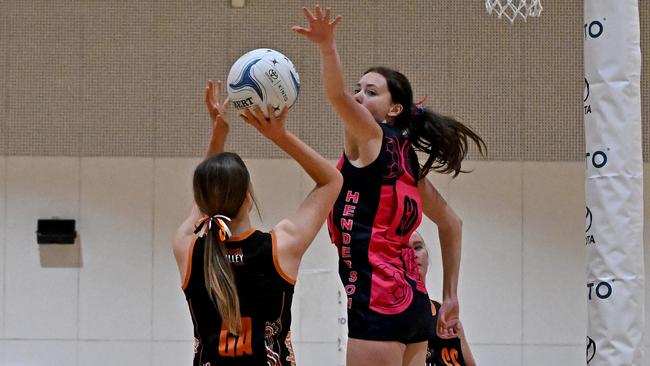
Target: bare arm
point(295, 233)
point(218, 111)
point(183, 239)
point(360, 126)
point(449, 232)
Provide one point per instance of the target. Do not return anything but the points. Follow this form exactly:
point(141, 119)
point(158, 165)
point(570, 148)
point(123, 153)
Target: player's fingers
point(219, 91)
point(259, 115)
point(444, 333)
point(300, 30)
point(283, 113)
point(269, 111)
point(208, 93)
point(319, 13)
point(249, 118)
point(308, 13)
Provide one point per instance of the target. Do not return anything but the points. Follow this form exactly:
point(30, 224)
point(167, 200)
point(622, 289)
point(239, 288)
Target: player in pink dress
point(385, 192)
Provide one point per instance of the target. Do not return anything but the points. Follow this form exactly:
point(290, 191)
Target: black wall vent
point(56, 231)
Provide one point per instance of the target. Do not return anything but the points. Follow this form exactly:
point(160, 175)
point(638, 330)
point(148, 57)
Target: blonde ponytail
point(220, 187)
point(220, 282)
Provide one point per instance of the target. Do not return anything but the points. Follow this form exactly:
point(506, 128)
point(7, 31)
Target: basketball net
point(511, 9)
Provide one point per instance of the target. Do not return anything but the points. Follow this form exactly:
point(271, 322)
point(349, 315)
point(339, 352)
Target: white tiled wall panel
point(115, 295)
point(318, 353)
point(489, 202)
point(554, 264)
point(320, 296)
point(111, 353)
point(39, 301)
point(172, 202)
point(501, 355)
point(38, 353)
point(276, 186)
point(321, 255)
point(120, 302)
point(172, 353)
point(549, 355)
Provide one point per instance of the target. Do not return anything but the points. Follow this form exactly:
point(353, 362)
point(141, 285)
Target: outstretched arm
point(295, 233)
point(359, 124)
point(218, 111)
point(449, 232)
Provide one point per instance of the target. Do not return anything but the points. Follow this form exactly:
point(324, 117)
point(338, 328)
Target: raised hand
point(321, 27)
point(217, 108)
point(273, 127)
point(218, 111)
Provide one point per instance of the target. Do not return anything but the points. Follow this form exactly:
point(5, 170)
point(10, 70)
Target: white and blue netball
point(263, 77)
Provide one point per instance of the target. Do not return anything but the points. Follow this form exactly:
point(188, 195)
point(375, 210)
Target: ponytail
point(443, 139)
point(220, 281)
point(220, 184)
point(218, 273)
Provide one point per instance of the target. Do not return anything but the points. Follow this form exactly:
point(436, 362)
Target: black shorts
point(413, 325)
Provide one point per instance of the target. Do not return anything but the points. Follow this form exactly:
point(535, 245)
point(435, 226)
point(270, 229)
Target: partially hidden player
point(441, 351)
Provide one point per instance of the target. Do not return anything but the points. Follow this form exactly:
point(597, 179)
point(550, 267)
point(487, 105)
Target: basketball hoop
point(511, 9)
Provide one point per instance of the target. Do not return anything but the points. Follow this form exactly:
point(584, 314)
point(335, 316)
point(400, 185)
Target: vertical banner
point(614, 184)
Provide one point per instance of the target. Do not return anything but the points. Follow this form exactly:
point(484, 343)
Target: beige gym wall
point(108, 78)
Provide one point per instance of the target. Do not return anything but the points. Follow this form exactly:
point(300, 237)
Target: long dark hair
point(220, 184)
point(442, 138)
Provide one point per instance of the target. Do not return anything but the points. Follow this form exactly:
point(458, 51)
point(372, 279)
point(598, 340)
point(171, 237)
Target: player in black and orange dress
point(385, 192)
point(239, 281)
point(441, 351)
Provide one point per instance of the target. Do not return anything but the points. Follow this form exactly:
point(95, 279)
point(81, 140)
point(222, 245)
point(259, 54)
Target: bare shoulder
point(183, 239)
point(284, 232)
point(361, 153)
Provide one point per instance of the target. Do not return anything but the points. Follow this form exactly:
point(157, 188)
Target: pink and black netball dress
point(377, 210)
